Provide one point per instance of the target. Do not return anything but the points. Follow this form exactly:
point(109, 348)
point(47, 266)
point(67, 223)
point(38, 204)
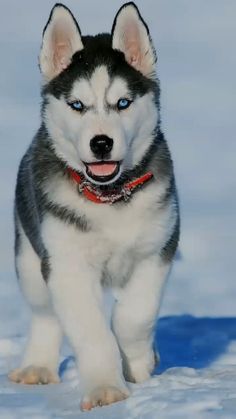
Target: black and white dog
point(96, 206)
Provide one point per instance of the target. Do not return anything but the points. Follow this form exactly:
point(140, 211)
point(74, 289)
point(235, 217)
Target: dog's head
point(100, 93)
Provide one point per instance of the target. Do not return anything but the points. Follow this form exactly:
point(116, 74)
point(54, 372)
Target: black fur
point(66, 215)
point(169, 250)
point(45, 266)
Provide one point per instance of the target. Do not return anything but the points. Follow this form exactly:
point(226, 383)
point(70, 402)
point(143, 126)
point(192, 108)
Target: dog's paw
point(34, 375)
point(139, 369)
point(103, 396)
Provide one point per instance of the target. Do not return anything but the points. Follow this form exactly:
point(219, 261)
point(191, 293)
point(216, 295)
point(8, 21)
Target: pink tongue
point(102, 169)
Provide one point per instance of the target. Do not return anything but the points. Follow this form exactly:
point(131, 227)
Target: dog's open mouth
point(103, 171)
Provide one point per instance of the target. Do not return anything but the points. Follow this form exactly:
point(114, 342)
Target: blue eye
point(77, 105)
point(123, 103)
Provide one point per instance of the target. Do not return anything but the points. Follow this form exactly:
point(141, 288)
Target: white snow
point(197, 331)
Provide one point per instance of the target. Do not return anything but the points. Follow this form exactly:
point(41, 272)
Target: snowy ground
point(197, 330)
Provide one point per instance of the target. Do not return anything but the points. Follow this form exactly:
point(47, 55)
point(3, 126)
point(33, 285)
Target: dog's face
point(100, 93)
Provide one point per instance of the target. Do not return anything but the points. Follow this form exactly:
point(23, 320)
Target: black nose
point(101, 145)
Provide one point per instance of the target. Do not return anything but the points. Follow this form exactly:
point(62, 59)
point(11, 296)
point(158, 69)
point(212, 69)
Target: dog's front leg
point(74, 283)
point(135, 314)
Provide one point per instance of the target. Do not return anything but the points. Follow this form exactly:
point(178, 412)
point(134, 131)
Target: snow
point(197, 330)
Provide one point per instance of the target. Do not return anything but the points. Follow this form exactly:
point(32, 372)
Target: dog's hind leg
point(134, 317)
point(40, 361)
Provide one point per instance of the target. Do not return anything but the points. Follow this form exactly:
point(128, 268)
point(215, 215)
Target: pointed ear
point(130, 35)
point(61, 39)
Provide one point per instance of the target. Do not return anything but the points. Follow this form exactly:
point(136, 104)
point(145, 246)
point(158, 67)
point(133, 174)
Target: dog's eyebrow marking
point(117, 89)
point(82, 91)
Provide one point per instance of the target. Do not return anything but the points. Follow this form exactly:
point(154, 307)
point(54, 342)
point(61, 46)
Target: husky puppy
point(96, 206)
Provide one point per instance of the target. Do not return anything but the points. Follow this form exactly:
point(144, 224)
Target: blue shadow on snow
point(187, 341)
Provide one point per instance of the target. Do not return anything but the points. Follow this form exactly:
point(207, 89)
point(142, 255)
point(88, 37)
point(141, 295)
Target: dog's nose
point(101, 145)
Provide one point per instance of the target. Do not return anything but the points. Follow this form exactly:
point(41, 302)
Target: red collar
point(100, 197)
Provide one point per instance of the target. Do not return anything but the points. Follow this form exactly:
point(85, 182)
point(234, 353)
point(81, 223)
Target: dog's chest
point(123, 236)
point(119, 235)
point(119, 239)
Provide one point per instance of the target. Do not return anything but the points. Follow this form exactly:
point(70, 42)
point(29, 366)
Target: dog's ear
point(130, 35)
point(61, 39)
